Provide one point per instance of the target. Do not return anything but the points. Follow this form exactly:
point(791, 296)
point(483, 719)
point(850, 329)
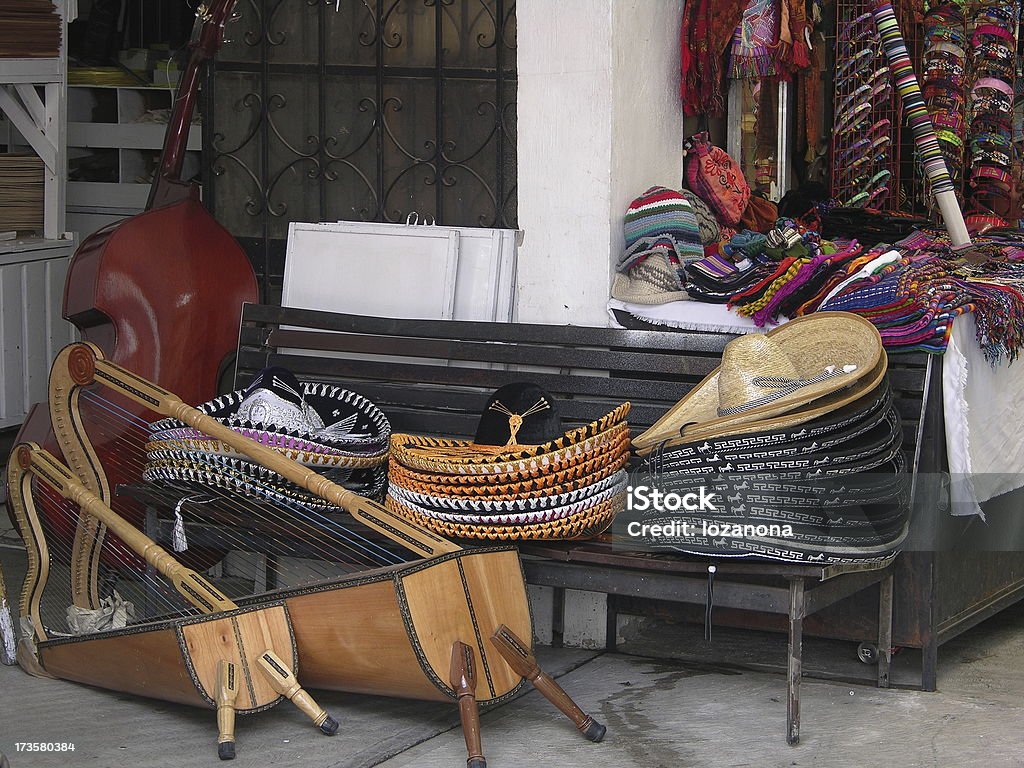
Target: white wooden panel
point(31, 327)
point(31, 70)
point(59, 331)
point(12, 370)
point(367, 269)
point(35, 346)
point(484, 281)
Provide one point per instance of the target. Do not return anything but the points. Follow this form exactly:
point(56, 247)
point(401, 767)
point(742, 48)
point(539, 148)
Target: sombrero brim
point(586, 524)
point(486, 507)
point(307, 458)
point(323, 398)
point(277, 441)
point(516, 486)
point(430, 454)
point(248, 480)
point(695, 416)
point(816, 409)
point(433, 455)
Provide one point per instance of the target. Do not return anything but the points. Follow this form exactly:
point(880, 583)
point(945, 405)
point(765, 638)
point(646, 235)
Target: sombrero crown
point(790, 375)
point(519, 427)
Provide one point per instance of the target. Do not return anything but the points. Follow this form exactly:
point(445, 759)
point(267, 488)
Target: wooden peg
point(283, 680)
point(463, 679)
point(519, 656)
point(227, 695)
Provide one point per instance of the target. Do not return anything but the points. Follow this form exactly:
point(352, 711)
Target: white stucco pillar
point(599, 121)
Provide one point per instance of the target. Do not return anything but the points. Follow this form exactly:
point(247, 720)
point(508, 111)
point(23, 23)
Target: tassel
point(709, 605)
point(178, 540)
point(800, 55)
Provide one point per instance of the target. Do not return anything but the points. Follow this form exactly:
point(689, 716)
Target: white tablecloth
point(984, 415)
point(983, 404)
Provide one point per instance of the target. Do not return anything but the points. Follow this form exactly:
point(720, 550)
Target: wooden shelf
point(125, 136)
point(36, 70)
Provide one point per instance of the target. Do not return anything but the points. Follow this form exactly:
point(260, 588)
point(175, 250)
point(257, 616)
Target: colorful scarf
point(756, 41)
point(707, 27)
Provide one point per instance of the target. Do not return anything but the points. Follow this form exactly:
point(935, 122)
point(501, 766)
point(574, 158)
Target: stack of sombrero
point(333, 430)
point(521, 477)
point(796, 427)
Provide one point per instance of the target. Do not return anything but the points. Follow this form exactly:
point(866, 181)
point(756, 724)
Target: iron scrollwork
point(368, 112)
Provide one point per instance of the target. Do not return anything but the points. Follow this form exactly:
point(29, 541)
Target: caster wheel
point(867, 653)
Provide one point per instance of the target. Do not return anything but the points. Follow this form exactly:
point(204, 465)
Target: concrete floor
point(660, 713)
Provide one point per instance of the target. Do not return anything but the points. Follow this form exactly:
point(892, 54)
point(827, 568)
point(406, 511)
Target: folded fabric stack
point(521, 477)
point(798, 438)
point(914, 292)
point(911, 290)
point(335, 431)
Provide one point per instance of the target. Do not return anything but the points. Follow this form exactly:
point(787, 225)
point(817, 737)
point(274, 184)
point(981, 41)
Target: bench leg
point(885, 590)
point(929, 663)
point(557, 616)
point(611, 630)
point(796, 639)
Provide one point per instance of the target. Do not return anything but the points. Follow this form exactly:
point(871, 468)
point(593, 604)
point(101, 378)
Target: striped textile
point(913, 103)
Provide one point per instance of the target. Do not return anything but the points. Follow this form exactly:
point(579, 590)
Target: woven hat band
point(782, 386)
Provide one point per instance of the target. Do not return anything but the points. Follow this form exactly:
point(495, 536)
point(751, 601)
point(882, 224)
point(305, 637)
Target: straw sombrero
point(606, 488)
point(806, 368)
point(518, 486)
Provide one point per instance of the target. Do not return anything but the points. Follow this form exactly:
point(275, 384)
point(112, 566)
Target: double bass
point(161, 294)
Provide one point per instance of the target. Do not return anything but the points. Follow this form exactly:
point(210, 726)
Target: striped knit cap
point(661, 220)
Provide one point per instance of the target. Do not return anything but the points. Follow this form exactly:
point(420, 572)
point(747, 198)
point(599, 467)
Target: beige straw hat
point(793, 373)
point(653, 281)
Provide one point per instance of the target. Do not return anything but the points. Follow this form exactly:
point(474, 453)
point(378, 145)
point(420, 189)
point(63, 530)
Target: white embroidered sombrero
point(279, 411)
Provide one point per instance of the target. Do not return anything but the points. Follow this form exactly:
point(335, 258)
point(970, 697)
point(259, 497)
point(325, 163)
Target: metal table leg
point(885, 590)
point(796, 635)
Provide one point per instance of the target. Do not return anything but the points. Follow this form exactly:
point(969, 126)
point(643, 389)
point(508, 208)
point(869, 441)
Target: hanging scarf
point(755, 42)
point(707, 27)
point(794, 31)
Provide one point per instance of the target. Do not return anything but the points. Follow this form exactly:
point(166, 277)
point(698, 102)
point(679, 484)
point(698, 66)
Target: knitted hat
point(710, 232)
point(660, 219)
point(655, 280)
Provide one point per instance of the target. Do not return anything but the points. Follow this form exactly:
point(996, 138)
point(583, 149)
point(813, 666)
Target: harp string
point(142, 589)
point(108, 421)
point(311, 522)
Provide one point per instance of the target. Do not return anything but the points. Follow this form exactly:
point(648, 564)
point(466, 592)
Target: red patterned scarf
point(704, 36)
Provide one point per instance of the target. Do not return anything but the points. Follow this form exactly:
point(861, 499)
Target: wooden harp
point(387, 630)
